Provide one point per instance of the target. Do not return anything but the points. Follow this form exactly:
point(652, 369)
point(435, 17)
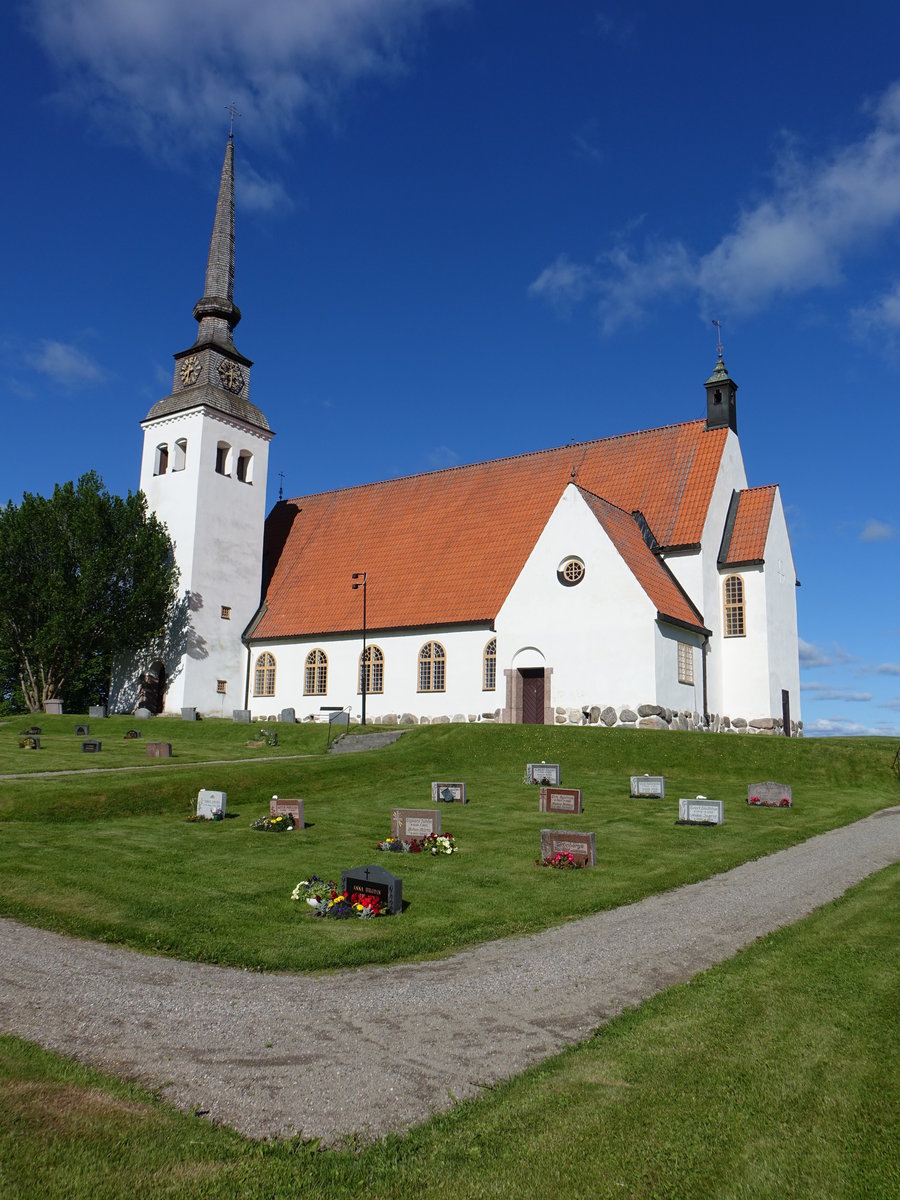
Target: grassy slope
point(772, 1075)
point(109, 855)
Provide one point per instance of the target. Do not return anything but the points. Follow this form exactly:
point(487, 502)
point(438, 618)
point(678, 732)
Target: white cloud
point(823, 692)
point(145, 69)
point(843, 727)
point(441, 457)
point(563, 283)
point(64, 363)
point(818, 213)
point(881, 315)
point(877, 531)
point(888, 669)
point(813, 656)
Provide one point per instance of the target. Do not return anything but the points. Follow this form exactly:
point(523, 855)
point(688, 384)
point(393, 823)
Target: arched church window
point(735, 615)
point(315, 679)
point(245, 467)
point(432, 660)
point(161, 460)
point(490, 666)
point(371, 670)
point(179, 457)
point(223, 459)
point(264, 675)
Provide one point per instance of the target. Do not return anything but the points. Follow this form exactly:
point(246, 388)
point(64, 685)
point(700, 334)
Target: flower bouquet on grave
point(395, 845)
point(328, 901)
point(215, 815)
point(434, 844)
point(283, 823)
point(563, 860)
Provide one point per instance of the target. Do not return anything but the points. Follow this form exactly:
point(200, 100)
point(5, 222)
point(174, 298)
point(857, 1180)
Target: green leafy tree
point(85, 578)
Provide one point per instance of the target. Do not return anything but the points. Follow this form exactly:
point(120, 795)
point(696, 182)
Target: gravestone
point(97, 710)
point(448, 793)
point(82, 731)
point(142, 714)
point(582, 846)
point(409, 823)
point(28, 741)
point(770, 795)
point(91, 747)
point(375, 881)
point(288, 715)
point(648, 785)
point(32, 731)
point(189, 714)
point(701, 810)
point(159, 749)
point(130, 734)
point(543, 773)
point(53, 708)
point(287, 808)
point(560, 800)
point(241, 716)
point(208, 801)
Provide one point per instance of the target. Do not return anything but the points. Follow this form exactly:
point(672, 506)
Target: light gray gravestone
point(375, 881)
point(288, 716)
point(241, 716)
point(142, 714)
point(189, 714)
point(561, 800)
point(53, 708)
point(544, 774)
point(159, 749)
point(287, 808)
point(97, 710)
point(209, 802)
point(409, 823)
point(582, 846)
point(648, 785)
point(448, 793)
point(770, 795)
point(701, 810)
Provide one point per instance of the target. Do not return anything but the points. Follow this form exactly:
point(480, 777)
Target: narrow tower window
point(179, 458)
point(245, 467)
point(161, 461)
point(223, 459)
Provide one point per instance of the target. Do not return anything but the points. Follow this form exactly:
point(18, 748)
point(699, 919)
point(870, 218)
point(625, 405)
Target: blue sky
point(471, 228)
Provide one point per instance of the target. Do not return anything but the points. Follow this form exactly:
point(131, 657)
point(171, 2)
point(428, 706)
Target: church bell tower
point(203, 471)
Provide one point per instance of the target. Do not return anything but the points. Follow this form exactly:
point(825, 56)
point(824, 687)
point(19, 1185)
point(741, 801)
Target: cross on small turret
point(232, 109)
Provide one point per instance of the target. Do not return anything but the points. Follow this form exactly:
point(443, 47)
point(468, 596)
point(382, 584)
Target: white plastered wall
point(781, 614)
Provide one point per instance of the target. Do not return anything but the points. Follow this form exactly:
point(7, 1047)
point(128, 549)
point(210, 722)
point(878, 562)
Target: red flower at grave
point(754, 799)
point(785, 803)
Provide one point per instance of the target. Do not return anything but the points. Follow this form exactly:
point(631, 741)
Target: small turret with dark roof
point(212, 372)
point(721, 403)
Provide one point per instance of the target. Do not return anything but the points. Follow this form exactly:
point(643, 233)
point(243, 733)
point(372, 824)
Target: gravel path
point(380, 1049)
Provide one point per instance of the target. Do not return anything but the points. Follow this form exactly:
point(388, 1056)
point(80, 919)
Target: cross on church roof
point(232, 109)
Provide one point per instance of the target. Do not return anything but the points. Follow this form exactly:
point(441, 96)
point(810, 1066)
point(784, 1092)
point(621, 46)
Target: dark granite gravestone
point(375, 881)
point(82, 731)
point(448, 793)
point(409, 823)
point(770, 795)
point(208, 801)
point(29, 741)
point(545, 774)
point(701, 811)
point(32, 731)
point(561, 800)
point(582, 846)
point(648, 785)
point(288, 715)
point(97, 710)
point(189, 714)
point(132, 733)
point(241, 716)
point(286, 808)
point(91, 747)
point(159, 749)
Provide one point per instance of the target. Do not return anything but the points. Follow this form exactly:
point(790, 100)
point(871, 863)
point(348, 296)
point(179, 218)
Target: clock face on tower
point(232, 376)
point(190, 370)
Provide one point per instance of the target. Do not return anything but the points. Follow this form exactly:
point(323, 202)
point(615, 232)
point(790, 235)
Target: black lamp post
point(364, 674)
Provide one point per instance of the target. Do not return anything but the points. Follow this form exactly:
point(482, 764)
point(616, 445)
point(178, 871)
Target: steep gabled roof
point(650, 571)
point(747, 527)
point(446, 547)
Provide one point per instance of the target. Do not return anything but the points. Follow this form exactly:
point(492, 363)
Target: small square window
point(220, 686)
point(226, 613)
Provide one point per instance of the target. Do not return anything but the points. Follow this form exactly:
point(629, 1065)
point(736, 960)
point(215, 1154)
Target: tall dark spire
point(216, 311)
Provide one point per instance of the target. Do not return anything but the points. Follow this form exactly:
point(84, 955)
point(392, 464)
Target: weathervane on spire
point(232, 109)
point(719, 347)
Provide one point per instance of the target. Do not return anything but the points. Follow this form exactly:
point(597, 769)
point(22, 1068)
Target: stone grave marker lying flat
point(648, 785)
point(701, 810)
point(208, 801)
point(582, 846)
point(159, 749)
point(770, 795)
point(28, 741)
point(543, 773)
point(32, 731)
point(560, 799)
point(82, 731)
point(408, 823)
point(287, 808)
point(375, 881)
point(448, 793)
point(97, 710)
point(91, 747)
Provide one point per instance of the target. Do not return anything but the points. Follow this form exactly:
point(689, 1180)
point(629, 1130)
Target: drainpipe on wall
point(247, 679)
point(704, 648)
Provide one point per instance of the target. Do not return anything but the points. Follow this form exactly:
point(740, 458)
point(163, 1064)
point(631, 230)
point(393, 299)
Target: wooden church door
point(532, 696)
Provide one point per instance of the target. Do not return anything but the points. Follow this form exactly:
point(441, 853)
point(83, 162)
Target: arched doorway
point(528, 689)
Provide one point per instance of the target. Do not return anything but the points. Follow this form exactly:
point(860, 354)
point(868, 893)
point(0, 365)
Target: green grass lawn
point(773, 1075)
point(109, 855)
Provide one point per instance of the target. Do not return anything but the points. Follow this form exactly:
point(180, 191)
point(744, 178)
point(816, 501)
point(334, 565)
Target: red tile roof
point(446, 547)
point(650, 572)
point(751, 526)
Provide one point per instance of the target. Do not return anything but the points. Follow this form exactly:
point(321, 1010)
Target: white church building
point(634, 580)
